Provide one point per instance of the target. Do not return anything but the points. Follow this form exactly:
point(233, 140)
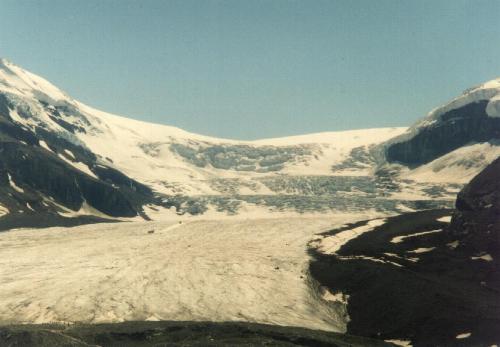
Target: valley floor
point(253, 270)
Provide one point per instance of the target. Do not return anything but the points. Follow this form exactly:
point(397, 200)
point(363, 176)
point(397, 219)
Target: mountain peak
point(18, 81)
point(5, 61)
point(492, 84)
point(487, 91)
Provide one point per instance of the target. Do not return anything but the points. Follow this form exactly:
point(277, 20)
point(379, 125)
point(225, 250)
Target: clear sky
point(251, 69)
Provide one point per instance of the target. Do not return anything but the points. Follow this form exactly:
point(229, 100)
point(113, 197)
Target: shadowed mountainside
point(456, 128)
point(418, 278)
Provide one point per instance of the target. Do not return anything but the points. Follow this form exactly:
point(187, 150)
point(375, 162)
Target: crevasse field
point(220, 270)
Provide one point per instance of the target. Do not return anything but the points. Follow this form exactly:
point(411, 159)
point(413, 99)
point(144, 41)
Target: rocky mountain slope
point(417, 277)
point(66, 159)
point(455, 141)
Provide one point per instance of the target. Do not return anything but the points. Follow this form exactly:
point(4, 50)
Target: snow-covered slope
point(455, 141)
point(154, 167)
point(168, 159)
point(488, 91)
point(173, 162)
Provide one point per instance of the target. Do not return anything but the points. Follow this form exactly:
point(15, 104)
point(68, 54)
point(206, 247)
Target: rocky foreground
point(175, 334)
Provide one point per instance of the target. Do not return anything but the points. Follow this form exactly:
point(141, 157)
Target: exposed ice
point(220, 270)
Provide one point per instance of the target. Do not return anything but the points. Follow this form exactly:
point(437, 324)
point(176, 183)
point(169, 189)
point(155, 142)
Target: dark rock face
point(40, 174)
point(476, 222)
point(36, 171)
point(175, 334)
point(455, 129)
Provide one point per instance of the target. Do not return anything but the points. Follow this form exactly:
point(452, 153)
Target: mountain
point(64, 158)
point(419, 278)
point(455, 141)
point(424, 272)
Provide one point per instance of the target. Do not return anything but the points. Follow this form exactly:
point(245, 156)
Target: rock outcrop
point(476, 222)
point(40, 172)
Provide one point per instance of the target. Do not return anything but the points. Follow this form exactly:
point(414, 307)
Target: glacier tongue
point(231, 270)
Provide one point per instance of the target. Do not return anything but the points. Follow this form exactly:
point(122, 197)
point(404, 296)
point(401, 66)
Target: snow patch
point(402, 343)
point(68, 152)
point(78, 165)
point(45, 145)
point(413, 259)
point(85, 210)
point(486, 257)
point(404, 208)
point(445, 219)
point(463, 335)
point(14, 186)
point(399, 239)
point(422, 250)
point(4, 210)
point(331, 244)
point(339, 297)
point(153, 318)
point(363, 257)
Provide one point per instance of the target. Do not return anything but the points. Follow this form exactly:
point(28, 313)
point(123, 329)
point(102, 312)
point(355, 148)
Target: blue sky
point(253, 69)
